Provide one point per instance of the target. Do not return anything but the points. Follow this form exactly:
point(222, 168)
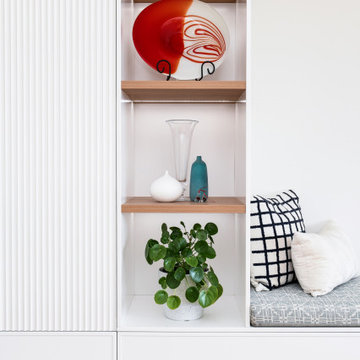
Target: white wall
point(305, 105)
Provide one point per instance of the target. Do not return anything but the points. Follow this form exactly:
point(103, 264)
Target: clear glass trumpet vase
point(182, 130)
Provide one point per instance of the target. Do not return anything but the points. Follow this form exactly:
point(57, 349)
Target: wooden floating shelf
point(184, 90)
point(216, 205)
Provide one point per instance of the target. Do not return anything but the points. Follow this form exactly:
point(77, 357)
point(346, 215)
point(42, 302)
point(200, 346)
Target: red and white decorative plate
point(186, 33)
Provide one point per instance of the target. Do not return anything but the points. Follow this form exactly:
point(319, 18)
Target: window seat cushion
point(289, 306)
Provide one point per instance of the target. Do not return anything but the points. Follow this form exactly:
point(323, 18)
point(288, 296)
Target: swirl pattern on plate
point(202, 39)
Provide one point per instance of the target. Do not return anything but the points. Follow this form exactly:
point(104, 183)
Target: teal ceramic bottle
point(199, 190)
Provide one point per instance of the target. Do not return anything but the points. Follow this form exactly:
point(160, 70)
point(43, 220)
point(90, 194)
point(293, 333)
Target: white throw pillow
point(323, 261)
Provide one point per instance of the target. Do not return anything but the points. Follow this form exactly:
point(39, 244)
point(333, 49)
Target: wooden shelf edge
point(215, 205)
point(184, 90)
point(182, 84)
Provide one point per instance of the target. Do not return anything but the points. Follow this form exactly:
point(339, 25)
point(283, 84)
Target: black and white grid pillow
point(273, 223)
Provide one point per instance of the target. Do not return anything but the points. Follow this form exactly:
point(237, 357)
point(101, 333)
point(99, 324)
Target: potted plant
point(188, 283)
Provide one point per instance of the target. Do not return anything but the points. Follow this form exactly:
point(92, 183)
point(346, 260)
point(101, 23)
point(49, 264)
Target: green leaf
point(165, 236)
point(173, 302)
point(182, 242)
point(152, 242)
point(179, 273)
point(213, 291)
point(192, 294)
point(208, 297)
point(192, 260)
point(186, 266)
point(162, 282)
point(175, 235)
point(182, 224)
point(210, 252)
point(186, 252)
point(211, 228)
point(175, 232)
point(169, 253)
point(197, 274)
point(174, 246)
point(197, 227)
point(205, 299)
point(157, 252)
point(201, 235)
point(171, 281)
point(175, 228)
point(201, 247)
point(148, 246)
point(201, 258)
point(169, 264)
point(220, 290)
point(212, 278)
point(211, 239)
point(161, 297)
point(193, 233)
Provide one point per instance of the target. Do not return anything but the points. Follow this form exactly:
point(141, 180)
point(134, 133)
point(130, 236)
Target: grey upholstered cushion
point(290, 306)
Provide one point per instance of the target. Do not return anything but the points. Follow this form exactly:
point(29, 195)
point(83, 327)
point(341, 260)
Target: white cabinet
point(57, 165)
point(67, 261)
point(58, 346)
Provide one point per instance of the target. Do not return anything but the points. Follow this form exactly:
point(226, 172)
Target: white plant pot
point(186, 311)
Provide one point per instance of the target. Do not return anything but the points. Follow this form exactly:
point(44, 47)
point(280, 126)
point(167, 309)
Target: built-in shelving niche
point(145, 152)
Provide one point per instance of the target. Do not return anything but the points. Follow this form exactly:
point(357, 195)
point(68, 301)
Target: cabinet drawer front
point(42, 346)
point(234, 347)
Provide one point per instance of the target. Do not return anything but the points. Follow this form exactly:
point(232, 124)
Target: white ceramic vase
point(166, 188)
point(186, 311)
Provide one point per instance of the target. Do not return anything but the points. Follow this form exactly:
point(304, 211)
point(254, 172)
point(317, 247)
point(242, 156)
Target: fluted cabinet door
point(57, 165)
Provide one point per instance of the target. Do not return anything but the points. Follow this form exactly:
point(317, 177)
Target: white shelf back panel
point(144, 277)
point(214, 139)
point(57, 165)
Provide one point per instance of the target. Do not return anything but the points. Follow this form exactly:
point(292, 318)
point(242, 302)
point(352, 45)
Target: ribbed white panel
point(57, 165)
